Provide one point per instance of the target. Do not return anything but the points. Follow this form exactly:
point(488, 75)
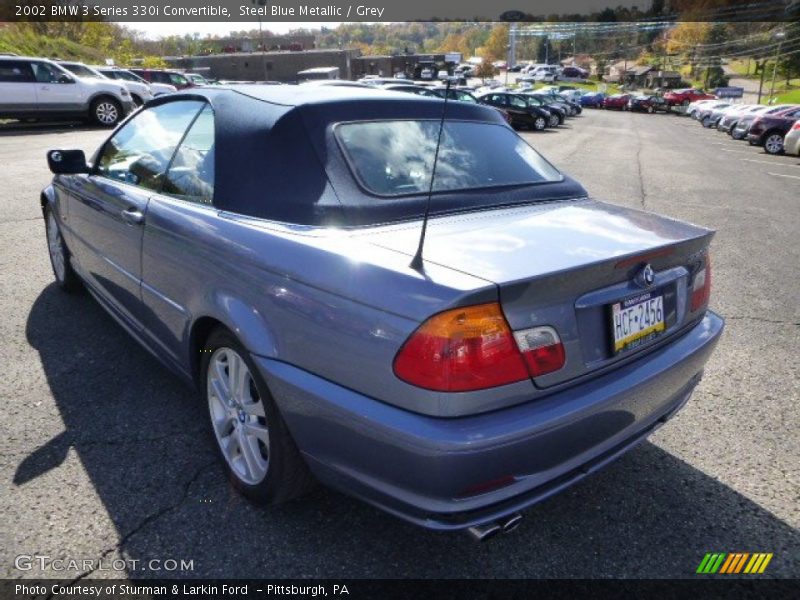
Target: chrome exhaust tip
point(511, 523)
point(484, 531)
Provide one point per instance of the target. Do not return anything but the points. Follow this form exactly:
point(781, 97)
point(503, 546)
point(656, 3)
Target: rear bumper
point(418, 467)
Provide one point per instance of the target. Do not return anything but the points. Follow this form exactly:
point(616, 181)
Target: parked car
point(524, 114)
point(426, 74)
point(376, 81)
point(593, 99)
point(558, 112)
point(571, 95)
point(742, 128)
point(791, 143)
point(196, 79)
point(648, 104)
point(410, 88)
point(166, 77)
point(617, 101)
point(732, 115)
point(37, 88)
point(453, 391)
point(709, 114)
point(552, 97)
point(686, 96)
point(768, 130)
point(140, 92)
point(695, 106)
point(158, 89)
point(575, 73)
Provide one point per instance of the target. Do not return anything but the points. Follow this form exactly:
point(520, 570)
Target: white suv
point(37, 88)
point(140, 92)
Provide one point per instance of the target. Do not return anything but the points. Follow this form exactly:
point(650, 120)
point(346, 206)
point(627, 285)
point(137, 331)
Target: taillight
point(542, 349)
point(796, 126)
point(460, 350)
point(701, 287)
point(473, 348)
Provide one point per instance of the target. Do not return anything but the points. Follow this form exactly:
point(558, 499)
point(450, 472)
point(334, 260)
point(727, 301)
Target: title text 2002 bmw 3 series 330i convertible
point(258, 240)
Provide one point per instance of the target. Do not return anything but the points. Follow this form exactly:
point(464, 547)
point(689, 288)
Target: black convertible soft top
point(275, 156)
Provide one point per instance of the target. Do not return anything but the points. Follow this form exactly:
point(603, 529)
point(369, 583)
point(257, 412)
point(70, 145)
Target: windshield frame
point(353, 171)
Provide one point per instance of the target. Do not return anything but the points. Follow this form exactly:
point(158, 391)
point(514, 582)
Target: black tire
point(707, 122)
point(137, 99)
point(105, 111)
point(554, 120)
point(735, 135)
point(66, 277)
point(287, 475)
point(539, 123)
point(773, 143)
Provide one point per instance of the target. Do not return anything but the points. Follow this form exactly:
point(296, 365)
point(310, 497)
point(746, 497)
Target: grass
point(792, 97)
point(27, 43)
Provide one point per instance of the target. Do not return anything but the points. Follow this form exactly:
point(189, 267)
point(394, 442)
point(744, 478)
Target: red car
point(686, 96)
point(179, 80)
point(618, 101)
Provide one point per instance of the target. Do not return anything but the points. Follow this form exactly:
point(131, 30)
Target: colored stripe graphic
point(734, 563)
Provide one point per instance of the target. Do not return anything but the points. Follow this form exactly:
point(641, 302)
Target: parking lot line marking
point(737, 151)
point(782, 175)
point(770, 162)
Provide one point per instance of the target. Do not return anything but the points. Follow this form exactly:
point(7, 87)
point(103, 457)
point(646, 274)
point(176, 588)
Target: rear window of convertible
point(395, 158)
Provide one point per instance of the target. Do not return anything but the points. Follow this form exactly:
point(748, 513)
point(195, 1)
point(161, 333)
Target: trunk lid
point(565, 264)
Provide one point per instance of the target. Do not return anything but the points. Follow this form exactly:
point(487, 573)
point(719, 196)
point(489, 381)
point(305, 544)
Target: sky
point(158, 30)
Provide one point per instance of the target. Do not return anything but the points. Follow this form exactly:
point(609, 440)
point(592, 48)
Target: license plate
point(637, 320)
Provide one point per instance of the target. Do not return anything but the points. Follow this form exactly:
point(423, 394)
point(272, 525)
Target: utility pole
point(761, 82)
point(780, 35)
point(259, 3)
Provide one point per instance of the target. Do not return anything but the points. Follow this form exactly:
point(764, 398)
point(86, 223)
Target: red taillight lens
point(542, 349)
point(701, 287)
point(796, 126)
point(460, 350)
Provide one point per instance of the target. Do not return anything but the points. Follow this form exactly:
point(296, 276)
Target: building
point(663, 79)
point(409, 64)
point(266, 66)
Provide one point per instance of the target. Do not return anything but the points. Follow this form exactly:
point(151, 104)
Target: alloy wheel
point(56, 248)
point(774, 144)
point(106, 113)
point(237, 416)
point(539, 123)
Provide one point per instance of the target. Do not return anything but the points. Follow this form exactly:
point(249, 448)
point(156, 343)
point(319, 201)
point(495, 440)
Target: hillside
point(28, 43)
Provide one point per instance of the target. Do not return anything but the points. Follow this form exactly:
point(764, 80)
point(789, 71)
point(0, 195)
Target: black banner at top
point(235, 11)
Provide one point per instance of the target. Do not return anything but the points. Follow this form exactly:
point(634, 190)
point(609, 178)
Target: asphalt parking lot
point(104, 454)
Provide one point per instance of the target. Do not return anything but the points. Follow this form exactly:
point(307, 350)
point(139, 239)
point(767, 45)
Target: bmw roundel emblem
point(647, 276)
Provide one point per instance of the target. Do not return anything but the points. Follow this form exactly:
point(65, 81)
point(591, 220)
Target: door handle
point(132, 215)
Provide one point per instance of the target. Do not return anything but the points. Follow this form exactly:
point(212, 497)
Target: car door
point(173, 256)
point(108, 207)
point(17, 87)
point(56, 90)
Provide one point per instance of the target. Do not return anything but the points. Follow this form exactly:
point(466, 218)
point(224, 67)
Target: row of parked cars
point(523, 109)
point(34, 89)
point(776, 128)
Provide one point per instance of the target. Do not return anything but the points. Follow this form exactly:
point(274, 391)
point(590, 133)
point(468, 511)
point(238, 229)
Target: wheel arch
point(47, 197)
point(243, 320)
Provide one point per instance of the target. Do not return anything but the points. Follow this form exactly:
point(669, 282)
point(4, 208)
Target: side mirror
point(67, 162)
point(65, 79)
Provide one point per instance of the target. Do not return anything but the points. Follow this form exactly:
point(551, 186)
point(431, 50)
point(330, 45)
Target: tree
point(496, 47)
point(486, 70)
